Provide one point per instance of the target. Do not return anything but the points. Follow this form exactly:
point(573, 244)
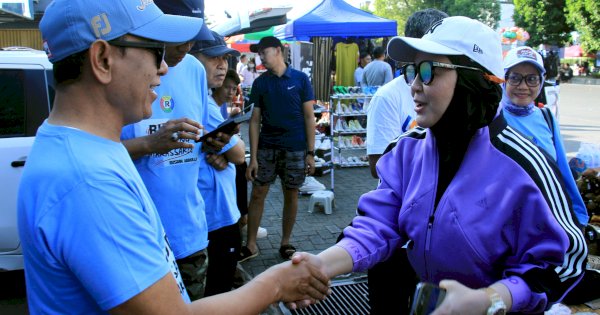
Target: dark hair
point(233, 76)
point(363, 54)
point(478, 96)
point(243, 56)
point(419, 22)
point(378, 52)
point(68, 70)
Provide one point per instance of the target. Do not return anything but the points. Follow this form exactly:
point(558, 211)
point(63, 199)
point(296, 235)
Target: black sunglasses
point(158, 49)
point(425, 70)
point(515, 79)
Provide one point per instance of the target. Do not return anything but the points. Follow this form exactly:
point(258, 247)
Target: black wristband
point(310, 153)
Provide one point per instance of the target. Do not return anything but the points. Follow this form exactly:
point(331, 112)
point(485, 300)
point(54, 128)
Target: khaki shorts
point(290, 166)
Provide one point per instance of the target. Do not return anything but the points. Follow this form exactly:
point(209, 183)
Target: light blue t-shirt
point(90, 234)
point(536, 129)
point(172, 178)
point(218, 187)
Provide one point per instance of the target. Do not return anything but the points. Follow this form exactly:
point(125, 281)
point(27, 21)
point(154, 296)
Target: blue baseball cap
point(193, 8)
point(71, 26)
point(213, 48)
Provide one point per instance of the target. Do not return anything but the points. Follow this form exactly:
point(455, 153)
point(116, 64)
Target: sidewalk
point(315, 231)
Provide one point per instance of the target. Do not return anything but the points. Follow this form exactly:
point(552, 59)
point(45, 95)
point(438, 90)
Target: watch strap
point(311, 152)
point(497, 305)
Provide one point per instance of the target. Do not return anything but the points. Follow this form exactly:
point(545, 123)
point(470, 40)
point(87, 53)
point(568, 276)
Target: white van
point(26, 95)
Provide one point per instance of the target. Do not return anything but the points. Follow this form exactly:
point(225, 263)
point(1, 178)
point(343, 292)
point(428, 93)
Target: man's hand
point(302, 281)
point(219, 162)
point(217, 143)
point(251, 170)
point(299, 258)
point(310, 164)
point(168, 136)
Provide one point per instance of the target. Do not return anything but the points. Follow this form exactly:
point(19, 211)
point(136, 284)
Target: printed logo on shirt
point(167, 104)
point(291, 87)
point(172, 158)
point(170, 258)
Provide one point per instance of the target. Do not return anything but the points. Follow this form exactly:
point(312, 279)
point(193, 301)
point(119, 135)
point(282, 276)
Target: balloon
point(511, 34)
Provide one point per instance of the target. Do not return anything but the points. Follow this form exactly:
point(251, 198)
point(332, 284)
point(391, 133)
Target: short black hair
point(233, 76)
point(69, 69)
point(419, 22)
point(378, 52)
point(363, 54)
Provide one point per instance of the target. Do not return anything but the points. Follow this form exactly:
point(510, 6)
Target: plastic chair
point(325, 197)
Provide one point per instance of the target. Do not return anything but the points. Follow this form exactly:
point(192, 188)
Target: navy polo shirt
point(280, 101)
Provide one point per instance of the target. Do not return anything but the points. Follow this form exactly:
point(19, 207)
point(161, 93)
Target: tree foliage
point(545, 21)
point(486, 11)
point(584, 15)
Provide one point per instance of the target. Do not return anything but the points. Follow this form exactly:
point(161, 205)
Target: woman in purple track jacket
point(480, 209)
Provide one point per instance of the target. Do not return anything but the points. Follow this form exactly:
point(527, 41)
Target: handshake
point(299, 282)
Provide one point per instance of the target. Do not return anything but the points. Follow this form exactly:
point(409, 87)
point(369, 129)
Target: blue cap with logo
point(193, 8)
point(71, 26)
point(213, 48)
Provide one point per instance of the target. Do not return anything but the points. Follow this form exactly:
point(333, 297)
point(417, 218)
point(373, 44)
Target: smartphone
point(427, 298)
point(229, 125)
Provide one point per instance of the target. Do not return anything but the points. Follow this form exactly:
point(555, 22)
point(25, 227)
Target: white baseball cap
point(454, 36)
point(524, 54)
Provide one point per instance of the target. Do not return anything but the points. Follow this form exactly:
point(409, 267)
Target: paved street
point(579, 119)
point(579, 115)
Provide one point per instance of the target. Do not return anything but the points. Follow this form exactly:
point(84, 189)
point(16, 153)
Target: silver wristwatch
point(497, 306)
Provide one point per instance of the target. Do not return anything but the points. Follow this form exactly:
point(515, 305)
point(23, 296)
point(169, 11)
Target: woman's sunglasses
point(158, 49)
point(515, 79)
point(425, 70)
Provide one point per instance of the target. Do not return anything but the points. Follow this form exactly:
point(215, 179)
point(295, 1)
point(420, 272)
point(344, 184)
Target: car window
point(25, 99)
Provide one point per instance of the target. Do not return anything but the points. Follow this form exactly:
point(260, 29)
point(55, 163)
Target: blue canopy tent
point(328, 19)
point(336, 18)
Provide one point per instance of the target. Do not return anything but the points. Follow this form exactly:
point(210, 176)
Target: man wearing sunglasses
point(92, 239)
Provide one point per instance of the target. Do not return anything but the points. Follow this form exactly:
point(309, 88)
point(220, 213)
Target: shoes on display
point(345, 126)
point(325, 144)
point(318, 143)
point(338, 125)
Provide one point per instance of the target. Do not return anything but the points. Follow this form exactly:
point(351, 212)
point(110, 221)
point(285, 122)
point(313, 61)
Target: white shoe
point(311, 185)
point(324, 145)
point(262, 232)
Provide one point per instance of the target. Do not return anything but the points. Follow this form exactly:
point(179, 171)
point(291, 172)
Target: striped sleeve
point(544, 172)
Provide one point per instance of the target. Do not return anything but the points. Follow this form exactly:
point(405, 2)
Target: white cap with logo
point(524, 54)
point(454, 36)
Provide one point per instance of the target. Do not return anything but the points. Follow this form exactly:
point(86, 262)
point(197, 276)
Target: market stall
point(328, 19)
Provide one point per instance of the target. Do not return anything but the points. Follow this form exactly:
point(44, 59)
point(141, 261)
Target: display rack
point(348, 130)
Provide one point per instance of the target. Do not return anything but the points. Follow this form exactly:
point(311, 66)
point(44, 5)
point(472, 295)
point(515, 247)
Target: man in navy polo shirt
point(282, 136)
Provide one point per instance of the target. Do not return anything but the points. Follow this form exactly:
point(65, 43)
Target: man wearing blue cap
point(92, 239)
point(218, 186)
point(168, 159)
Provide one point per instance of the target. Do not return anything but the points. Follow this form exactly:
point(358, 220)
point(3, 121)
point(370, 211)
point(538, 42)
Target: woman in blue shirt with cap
point(524, 72)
